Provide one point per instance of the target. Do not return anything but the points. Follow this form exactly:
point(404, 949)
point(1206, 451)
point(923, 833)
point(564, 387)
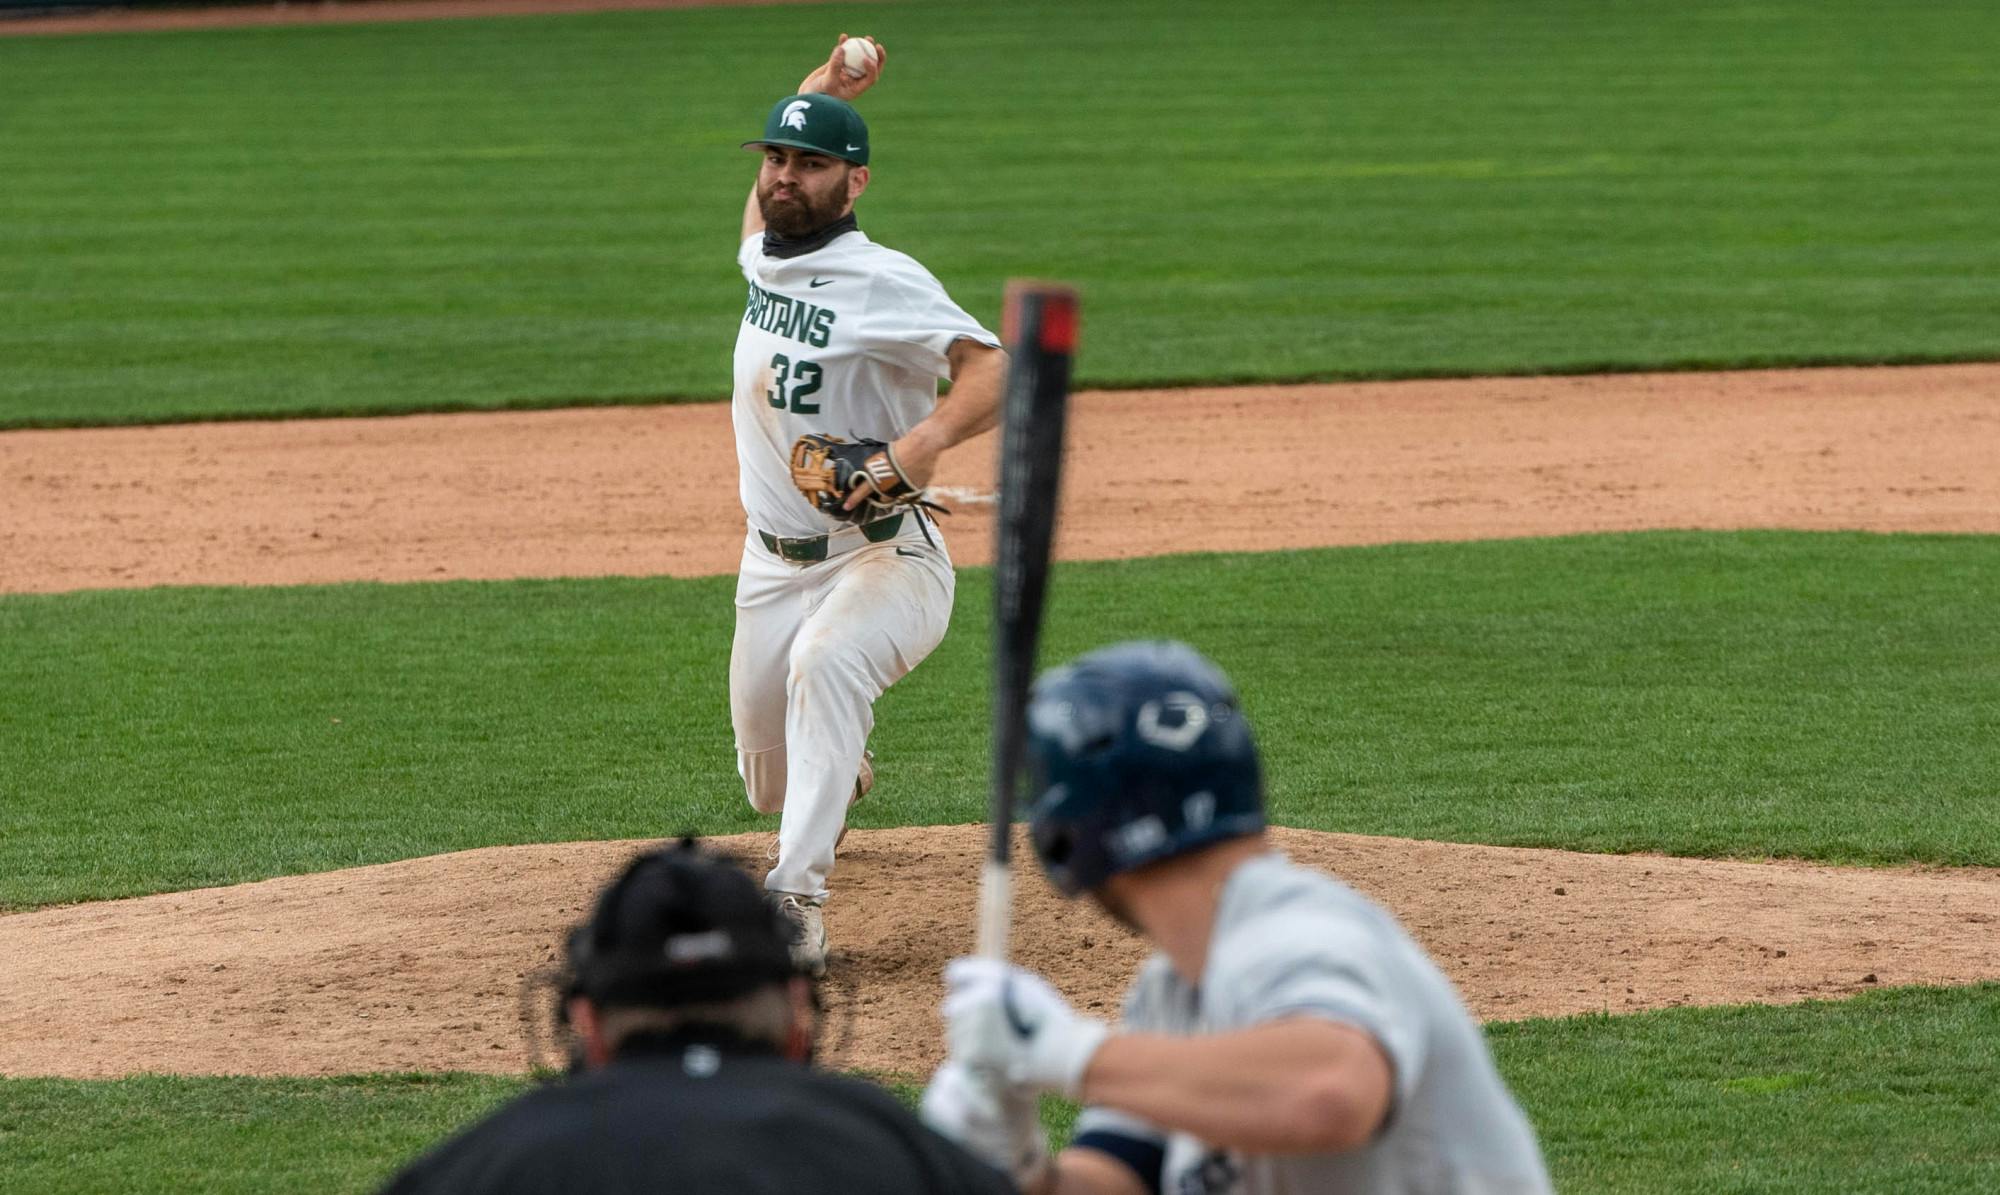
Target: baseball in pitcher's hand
point(832, 79)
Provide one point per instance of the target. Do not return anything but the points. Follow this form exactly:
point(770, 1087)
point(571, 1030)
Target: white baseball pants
point(815, 645)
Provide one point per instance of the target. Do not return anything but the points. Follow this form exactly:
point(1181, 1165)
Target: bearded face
point(800, 193)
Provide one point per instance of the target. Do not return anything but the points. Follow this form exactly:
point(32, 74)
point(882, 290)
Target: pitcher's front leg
point(889, 608)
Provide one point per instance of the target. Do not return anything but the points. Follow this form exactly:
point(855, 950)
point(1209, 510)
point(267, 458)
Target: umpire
point(693, 1035)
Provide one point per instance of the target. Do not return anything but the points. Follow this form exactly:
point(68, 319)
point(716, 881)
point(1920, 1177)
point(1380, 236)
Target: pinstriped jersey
point(1290, 942)
point(847, 340)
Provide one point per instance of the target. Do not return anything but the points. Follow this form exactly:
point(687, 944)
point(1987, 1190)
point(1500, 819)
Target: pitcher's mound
point(423, 964)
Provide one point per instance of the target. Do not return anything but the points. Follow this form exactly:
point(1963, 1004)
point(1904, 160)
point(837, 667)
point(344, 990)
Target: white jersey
point(1291, 942)
point(847, 340)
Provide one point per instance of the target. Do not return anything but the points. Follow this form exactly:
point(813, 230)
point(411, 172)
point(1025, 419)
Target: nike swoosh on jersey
point(819, 282)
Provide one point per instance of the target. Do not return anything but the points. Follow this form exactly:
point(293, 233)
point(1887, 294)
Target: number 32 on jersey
point(803, 378)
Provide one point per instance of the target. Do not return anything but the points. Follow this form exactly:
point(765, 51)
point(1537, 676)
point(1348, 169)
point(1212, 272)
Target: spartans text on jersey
point(788, 317)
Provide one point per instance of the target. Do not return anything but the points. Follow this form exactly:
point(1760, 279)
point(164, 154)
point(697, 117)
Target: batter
point(845, 337)
point(1288, 1036)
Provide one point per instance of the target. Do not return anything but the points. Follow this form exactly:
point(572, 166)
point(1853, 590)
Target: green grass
point(1891, 1091)
point(538, 211)
point(232, 1135)
point(227, 1136)
point(1825, 696)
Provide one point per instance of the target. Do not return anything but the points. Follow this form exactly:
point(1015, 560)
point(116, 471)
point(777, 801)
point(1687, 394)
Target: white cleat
point(808, 932)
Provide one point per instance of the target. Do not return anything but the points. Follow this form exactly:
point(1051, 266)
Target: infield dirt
point(422, 964)
point(429, 964)
point(652, 490)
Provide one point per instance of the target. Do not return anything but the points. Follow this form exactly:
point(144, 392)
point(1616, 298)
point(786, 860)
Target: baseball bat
point(1039, 327)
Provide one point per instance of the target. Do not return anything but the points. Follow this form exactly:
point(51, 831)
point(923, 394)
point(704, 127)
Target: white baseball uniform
point(849, 339)
point(1291, 942)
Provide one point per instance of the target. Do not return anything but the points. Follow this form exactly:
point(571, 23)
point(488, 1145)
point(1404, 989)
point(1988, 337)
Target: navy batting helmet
point(1137, 752)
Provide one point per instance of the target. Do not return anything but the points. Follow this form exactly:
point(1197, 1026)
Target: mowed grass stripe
point(1890, 1091)
point(448, 215)
point(1826, 696)
point(228, 1136)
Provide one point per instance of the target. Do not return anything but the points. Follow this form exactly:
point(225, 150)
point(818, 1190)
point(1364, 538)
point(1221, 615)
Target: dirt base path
point(420, 965)
point(652, 490)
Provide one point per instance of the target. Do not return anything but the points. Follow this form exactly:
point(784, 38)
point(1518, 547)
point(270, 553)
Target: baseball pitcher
point(845, 583)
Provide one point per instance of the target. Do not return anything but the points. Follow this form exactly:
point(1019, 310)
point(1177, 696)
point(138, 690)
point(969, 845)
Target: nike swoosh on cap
point(854, 149)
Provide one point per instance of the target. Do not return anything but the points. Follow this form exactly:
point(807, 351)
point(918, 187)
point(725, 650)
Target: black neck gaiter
point(777, 246)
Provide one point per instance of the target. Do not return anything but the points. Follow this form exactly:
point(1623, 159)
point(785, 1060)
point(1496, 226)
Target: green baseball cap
point(819, 123)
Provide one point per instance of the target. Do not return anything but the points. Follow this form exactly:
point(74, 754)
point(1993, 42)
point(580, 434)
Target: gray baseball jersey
point(1291, 942)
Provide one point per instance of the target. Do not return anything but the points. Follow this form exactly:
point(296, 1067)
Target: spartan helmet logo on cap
point(795, 115)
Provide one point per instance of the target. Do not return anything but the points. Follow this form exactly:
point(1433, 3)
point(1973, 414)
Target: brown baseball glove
point(828, 469)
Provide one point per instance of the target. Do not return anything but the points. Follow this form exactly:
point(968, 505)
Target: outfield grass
point(1891, 1091)
point(538, 211)
point(1824, 696)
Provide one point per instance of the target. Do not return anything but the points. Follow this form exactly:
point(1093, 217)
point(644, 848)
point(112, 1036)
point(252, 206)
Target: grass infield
point(1890, 1091)
point(1828, 696)
point(542, 211)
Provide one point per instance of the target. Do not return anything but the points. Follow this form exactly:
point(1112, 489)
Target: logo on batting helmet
point(1137, 752)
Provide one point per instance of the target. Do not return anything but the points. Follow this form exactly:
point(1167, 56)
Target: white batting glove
point(1001, 1127)
point(1009, 1022)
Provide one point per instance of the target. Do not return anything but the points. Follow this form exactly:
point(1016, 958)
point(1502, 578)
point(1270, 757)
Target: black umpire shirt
point(694, 1113)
